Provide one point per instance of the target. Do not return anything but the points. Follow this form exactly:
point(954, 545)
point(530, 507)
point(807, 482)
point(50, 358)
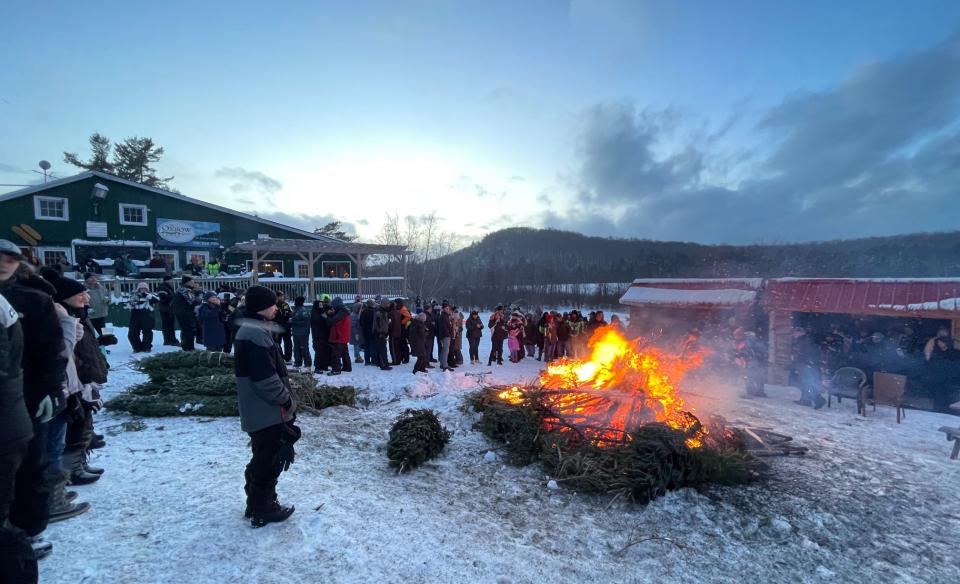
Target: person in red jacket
point(338, 319)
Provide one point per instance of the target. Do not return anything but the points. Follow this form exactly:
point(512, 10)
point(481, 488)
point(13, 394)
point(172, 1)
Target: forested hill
point(548, 256)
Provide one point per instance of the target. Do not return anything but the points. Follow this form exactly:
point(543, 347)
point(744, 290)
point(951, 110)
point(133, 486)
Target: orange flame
point(621, 386)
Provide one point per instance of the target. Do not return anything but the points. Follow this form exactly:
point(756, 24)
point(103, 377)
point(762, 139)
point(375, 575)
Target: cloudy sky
point(703, 121)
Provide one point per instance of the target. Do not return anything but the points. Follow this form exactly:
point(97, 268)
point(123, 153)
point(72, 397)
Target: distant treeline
point(540, 266)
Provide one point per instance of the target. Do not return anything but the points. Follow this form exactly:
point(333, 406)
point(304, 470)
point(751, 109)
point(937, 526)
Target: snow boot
point(275, 513)
point(97, 442)
point(70, 495)
point(73, 461)
point(90, 469)
point(60, 507)
point(41, 547)
point(332, 373)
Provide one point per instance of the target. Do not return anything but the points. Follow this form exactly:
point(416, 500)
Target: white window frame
point(68, 252)
point(323, 267)
point(297, 264)
point(143, 209)
point(36, 208)
point(248, 264)
point(199, 252)
point(168, 252)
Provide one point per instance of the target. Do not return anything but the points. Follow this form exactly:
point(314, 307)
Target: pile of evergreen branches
point(416, 436)
point(650, 461)
point(202, 383)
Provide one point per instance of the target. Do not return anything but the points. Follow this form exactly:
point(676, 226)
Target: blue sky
point(705, 121)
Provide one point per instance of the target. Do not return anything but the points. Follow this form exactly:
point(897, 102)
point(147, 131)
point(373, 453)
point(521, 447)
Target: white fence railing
point(345, 288)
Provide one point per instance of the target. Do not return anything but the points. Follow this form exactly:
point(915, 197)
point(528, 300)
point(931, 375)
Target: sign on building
point(187, 233)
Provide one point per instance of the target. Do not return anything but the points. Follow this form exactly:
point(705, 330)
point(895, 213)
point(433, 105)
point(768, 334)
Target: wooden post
point(256, 267)
point(313, 285)
point(358, 259)
point(780, 346)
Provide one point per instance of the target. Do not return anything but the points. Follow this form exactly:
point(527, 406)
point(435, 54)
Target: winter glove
point(45, 411)
point(107, 340)
point(74, 411)
point(94, 404)
point(285, 453)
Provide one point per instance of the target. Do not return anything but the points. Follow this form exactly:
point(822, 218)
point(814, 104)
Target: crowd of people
point(930, 363)
point(52, 367)
point(330, 336)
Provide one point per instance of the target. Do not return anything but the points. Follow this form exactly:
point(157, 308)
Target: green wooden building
point(101, 216)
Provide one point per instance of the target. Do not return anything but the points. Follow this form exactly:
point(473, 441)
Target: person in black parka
point(44, 366)
point(418, 342)
point(474, 328)
point(184, 302)
point(17, 559)
point(366, 327)
point(320, 331)
point(498, 334)
point(165, 294)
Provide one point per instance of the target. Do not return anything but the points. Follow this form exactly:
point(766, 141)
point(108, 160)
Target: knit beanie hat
point(184, 280)
point(259, 298)
point(65, 287)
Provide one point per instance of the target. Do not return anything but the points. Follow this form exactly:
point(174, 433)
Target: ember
point(622, 386)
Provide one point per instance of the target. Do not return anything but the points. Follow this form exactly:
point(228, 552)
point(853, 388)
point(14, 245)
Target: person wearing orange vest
point(405, 320)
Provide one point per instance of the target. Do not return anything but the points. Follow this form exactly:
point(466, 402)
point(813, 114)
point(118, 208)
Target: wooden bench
point(952, 434)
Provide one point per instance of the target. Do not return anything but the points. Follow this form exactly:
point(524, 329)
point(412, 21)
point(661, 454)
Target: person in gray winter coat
point(267, 406)
point(356, 332)
point(99, 302)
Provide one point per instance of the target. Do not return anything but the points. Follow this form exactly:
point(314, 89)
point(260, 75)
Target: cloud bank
point(878, 154)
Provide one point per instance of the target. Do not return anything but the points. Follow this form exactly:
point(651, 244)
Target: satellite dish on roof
point(44, 165)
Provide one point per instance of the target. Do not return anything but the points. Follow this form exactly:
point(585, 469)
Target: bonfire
point(614, 422)
point(623, 385)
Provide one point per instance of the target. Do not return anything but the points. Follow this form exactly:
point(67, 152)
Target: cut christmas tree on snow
point(202, 383)
point(416, 437)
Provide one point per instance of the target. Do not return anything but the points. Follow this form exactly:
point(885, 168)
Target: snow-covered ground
point(873, 501)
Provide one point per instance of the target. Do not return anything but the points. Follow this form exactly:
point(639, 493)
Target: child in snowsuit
point(513, 344)
point(142, 321)
point(211, 319)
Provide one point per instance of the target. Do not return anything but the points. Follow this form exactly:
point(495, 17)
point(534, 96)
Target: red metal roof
point(887, 296)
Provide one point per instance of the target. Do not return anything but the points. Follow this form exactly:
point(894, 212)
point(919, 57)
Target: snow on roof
point(945, 304)
point(871, 280)
point(641, 296)
point(119, 243)
point(751, 282)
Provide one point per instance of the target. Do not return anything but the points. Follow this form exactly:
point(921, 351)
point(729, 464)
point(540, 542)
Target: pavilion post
point(358, 259)
point(256, 265)
point(313, 285)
